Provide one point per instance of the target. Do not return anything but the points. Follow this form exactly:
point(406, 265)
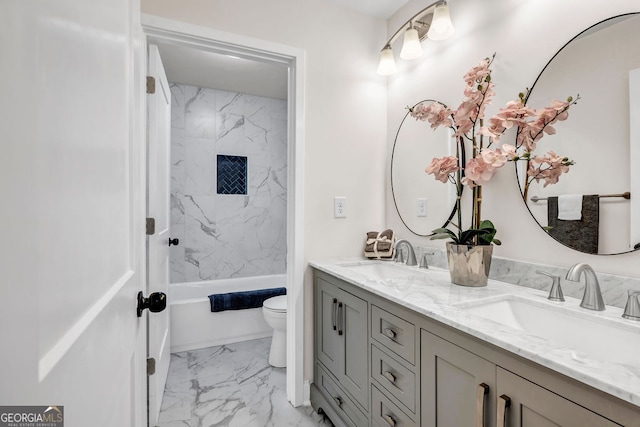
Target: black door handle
point(174, 241)
point(156, 302)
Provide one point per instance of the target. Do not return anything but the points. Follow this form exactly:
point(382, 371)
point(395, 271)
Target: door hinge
point(151, 84)
point(151, 226)
point(151, 366)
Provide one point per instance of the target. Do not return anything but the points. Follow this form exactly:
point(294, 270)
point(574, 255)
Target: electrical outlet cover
point(422, 207)
point(340, 207)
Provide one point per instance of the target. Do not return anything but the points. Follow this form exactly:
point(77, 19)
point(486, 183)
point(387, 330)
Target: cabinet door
point(453, 384)
point(342, 338)
point(534, 406)
point(329, 345)
point(353, 323)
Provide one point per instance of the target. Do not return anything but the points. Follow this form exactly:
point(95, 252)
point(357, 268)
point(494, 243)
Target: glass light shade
point(387, 62)
point(441, 26)
point(411, 47)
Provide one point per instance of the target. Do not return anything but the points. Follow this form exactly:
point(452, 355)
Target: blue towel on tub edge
point(242, 300)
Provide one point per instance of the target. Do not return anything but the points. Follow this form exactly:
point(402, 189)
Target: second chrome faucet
point(592, 298)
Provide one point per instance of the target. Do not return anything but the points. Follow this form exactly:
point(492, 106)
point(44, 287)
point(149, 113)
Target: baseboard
point(306, 393)
point(214, 343)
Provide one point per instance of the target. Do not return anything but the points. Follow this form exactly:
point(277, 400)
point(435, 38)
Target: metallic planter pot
point(469, 265)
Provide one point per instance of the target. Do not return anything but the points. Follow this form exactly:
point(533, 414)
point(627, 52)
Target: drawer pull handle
point(504, 402)
point(389, 419)
point(340, 318)
point(339, 401)
point(389, 376)
point(333, 313)
point(390, 333)
point(481, 396)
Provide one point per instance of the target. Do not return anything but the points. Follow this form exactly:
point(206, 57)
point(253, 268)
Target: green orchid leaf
point(486, 224)
point(443, 236)
point(485, 235)
point(441, 230)
point(468, 237)
point(489, 237)
point(444, 233)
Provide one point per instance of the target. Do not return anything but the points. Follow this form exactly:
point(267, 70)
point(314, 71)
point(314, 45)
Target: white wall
point(525, 34)
point(345, 126)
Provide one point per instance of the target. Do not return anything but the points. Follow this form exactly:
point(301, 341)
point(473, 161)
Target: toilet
point(274, 310)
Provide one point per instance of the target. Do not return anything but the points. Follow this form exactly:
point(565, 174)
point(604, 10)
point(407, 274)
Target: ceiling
point(217, 71)
point(201, 68)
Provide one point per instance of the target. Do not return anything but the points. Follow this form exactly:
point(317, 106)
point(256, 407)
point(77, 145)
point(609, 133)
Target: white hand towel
point(570, 207)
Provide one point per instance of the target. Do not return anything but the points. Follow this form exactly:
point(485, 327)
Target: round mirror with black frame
point(423, 204)
point(602, 137)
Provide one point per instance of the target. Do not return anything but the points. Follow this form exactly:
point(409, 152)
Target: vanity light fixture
point(411, 47)
point(441, 27)
point(387, 63)
point(433, 22)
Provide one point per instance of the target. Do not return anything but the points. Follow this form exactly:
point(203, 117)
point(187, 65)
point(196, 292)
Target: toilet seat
point(277, 304)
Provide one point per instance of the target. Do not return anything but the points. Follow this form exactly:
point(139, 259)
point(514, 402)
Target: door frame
point(163, 30)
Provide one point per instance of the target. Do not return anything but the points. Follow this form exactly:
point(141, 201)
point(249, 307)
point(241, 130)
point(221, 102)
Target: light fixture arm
point(414, 19)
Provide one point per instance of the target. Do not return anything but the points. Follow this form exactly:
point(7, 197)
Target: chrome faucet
point(411, 254)
point(592, 298)
point(632, 309)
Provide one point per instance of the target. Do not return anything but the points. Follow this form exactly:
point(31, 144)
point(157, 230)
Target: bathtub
point(193, 325)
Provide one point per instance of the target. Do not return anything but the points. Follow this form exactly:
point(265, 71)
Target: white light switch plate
point(339, 207)
point(421, 207)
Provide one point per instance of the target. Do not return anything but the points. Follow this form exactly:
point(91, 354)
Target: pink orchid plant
point(470, 127)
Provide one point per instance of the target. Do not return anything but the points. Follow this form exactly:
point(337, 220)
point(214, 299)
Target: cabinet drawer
point(394, 378)
point(385, 413)
point(339, 400)
point(394, 333)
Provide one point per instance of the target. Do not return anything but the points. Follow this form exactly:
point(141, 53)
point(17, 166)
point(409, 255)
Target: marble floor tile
point(230, 385)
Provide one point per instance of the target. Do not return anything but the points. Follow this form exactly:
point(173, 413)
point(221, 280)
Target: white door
point(72, 215)
point(158, 149)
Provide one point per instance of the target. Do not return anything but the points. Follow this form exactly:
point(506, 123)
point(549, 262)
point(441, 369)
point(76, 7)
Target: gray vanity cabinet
point(381, 364)
point(342, 347)
point(458, 387)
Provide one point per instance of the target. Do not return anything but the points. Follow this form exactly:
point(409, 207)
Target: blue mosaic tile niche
point(232, 174)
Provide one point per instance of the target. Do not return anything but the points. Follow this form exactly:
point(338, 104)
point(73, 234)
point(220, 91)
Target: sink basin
point(385, 270)
point(398, 277)
point(602, 338)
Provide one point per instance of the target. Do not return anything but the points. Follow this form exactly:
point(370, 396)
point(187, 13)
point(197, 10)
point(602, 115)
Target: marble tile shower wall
point(227, 235)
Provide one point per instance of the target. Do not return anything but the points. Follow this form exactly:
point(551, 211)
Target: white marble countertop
point(430, 293)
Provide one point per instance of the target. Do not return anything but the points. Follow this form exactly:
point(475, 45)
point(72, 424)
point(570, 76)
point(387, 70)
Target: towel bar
point(626, 195)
